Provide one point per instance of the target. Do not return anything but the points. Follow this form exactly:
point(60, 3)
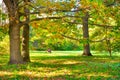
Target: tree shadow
point(63, 68)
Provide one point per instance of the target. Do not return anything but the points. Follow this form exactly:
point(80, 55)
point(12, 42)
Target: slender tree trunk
point(108, 43)
point(15, 54)
point(25, 36)
point(25, 43)
point(86, 45)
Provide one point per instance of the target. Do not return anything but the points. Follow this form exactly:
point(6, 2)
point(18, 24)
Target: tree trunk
point(15, 54)
point(25, 36)
point(25, 43)
point(14, 31)
point(86, 45)
point(108, 43)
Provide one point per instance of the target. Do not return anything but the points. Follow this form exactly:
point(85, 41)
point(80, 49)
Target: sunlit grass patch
point(62, 66)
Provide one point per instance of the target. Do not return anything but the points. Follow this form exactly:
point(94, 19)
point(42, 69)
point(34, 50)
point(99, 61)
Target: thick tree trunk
point(86, 45)
point(15, 54)
point(14, 31)
point(25, 43)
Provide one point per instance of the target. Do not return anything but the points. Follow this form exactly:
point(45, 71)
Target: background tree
point(55, 16)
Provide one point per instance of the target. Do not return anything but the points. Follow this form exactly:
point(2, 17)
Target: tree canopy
point(50, 22)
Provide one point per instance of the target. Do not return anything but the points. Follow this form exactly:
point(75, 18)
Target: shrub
point(116, 46)
point(4, 45)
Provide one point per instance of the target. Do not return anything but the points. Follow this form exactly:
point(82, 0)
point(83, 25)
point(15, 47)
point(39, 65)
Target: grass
point(63, 65)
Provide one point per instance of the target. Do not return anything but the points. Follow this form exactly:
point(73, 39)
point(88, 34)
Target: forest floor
point(63, 65)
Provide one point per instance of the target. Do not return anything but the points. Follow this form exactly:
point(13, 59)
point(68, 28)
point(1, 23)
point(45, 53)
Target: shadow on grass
point(63, 68)
point(60, 77)
point(79, 58)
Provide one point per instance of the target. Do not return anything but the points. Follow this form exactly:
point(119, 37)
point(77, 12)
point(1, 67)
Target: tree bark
point(25, 43)
point(25, 35)
point(86, 45)
point(14, 32)
point(15, 54)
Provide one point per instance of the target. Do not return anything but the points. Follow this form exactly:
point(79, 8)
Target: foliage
point(98, 46)
point(54, 44)
point(47, 34)
point(116, 45)
point(65, 65)
point(4, 45)
point(4, 39)
point(3, 31)
point(43, 31)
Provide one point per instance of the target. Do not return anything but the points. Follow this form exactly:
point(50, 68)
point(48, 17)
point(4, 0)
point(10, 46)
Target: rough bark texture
point(15, 54)
point(14, 32)
point(25, 36)
point(86, 45)
point(25, 43)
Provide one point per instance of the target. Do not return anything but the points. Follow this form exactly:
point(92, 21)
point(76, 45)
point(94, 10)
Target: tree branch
point(70, 37)
point(37, 19)
point(98, 40)
point(101, 25)
point(52, 17)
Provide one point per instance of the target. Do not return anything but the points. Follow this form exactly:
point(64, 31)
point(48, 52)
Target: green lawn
point(63, 65)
